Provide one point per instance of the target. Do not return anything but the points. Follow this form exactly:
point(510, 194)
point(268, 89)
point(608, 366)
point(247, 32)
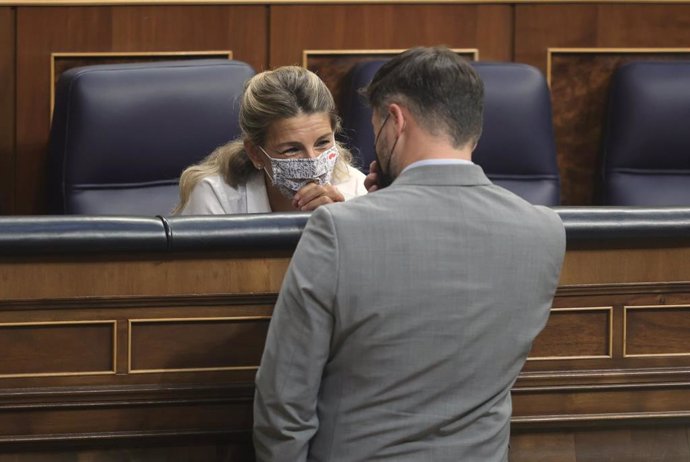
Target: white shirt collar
point(421, 163)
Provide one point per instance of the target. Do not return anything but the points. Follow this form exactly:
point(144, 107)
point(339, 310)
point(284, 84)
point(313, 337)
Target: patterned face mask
point(291, 175)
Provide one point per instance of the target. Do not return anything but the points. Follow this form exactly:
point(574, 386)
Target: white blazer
point(214, 196)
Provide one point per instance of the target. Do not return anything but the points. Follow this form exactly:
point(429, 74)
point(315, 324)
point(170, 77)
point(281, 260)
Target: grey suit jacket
point(403, 321)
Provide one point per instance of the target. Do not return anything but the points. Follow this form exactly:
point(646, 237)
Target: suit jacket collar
point(444, 175)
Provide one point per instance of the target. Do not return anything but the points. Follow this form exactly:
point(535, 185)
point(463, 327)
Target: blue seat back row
point(123, 133)
point(646, 145)
point(516, 149)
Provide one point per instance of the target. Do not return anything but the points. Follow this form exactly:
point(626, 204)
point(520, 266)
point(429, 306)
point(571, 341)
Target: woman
point(287, 158)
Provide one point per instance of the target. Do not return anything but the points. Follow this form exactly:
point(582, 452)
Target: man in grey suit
point(406, 314)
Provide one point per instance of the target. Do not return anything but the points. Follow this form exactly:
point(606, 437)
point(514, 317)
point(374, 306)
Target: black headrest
point(517, 148)
point(135, 127)
point(646, 158)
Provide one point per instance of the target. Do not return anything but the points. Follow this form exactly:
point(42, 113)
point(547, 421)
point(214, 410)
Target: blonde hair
point(285, 92)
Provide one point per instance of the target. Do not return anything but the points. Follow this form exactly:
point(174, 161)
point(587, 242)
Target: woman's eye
point(290, 152)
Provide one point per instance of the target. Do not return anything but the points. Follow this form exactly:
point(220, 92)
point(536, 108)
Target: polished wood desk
point(141, 336)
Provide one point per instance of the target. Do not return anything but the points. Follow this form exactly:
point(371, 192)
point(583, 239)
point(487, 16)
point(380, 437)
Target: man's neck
point(429, 147)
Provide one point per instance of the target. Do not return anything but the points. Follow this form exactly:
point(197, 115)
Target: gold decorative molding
point(625, 330)
point(604, 50)
point(113, 323)
point(592, 379)
point(612, 418)
point(130, 370)
point(609, 310)
point(105, 55)
point(305, 2)
point(628, 288)
point(167, 301)
point(377, 51)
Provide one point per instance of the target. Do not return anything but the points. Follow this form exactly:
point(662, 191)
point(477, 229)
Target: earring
point(259, 166)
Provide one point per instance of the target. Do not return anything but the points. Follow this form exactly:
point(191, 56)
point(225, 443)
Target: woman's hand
point(314, 195)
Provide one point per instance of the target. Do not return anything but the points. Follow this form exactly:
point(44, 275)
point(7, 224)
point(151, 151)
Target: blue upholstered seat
point(122, 134)
point(646, 147)
point(517, 148)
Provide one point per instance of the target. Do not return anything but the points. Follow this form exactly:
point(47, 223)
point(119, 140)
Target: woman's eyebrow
point(288, 144)
point(325, 135)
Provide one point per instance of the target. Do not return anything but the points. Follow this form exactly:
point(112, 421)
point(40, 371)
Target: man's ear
point(399, 116)
point(253, 152)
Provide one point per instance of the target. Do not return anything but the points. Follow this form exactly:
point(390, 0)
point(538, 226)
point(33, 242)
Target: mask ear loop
point(395, 143)
point(270, 177)
point(384, 175)
point(383, 180)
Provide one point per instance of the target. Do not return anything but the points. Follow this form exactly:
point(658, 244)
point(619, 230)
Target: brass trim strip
point(223, 432)
point(569, 358)
point(597, 387)
point(625, 331)
point(604, 50)
point(112, 322)
point(194, 369)
point(305, 2)
point(163, 301)
point(599, 417)
point(269, 298)
point(131, 322)
point(609, 309)
point(374, 51)
point(120, 54)
point(627, 288)
point(631, 372)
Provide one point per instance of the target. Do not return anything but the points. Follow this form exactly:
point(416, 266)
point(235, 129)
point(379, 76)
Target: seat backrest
point(646, 143)
point(122, 134)
point(517, 148)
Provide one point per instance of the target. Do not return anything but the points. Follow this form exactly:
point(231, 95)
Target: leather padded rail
point(32, 235)
point(37, 235)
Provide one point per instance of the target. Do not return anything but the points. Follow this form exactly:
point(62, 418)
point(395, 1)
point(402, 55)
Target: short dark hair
point(439, 87)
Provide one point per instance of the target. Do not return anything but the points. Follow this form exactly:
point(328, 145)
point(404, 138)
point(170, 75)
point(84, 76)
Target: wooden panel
point(171, 450)
point(600, 404)
point(57, 348)
point(577, 333)
point(594, 330)
point(7, 95)
point(639, 444)
point(146, 417)
point(197, 344)
point(42, 31)
point(540, 27)
point(255, 308)
point(657, 330)
point(295, 28)
point(601, 266)
point(96, 277)
point(176, 328)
